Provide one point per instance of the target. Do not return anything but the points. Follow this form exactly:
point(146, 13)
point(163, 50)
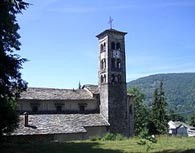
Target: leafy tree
point(158, 118)
point(141, 111)
point(11, 83)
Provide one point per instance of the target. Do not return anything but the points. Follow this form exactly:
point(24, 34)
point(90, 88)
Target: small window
point(112, 78)
point(118, 46)
point(103, 64)
point(59, 108)
point(113, 62)
point(34, 108)
point(101, 47)
point(82, 108)
point(118, 63)
point(112, 45)
point(119, 78)
point(116, 79)
point(102, 79)
point(104, 47)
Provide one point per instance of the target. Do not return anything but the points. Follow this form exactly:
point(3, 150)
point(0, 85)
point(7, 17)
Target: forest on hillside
point(179, 90)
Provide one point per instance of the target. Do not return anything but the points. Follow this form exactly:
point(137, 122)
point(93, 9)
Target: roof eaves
point(110, 31)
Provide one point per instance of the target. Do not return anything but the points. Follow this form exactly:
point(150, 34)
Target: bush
point(113, 137)
point(97, 138)
point(108, 136)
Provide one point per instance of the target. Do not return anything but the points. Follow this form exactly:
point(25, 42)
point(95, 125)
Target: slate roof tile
point(59, 123)
point(55, 94)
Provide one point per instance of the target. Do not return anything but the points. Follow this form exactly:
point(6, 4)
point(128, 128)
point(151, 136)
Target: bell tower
point(112, 80)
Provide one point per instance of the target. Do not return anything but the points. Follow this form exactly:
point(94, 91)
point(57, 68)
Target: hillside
point(179, 90)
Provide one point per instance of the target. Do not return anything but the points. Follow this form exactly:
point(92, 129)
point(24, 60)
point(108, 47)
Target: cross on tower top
point(110, 22)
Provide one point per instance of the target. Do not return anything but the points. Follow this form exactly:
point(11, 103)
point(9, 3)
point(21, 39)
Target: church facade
point(86, 112)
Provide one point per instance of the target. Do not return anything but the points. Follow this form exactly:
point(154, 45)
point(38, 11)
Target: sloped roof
point(55, 94)
point(177, 124)
point(94, 89)
point(110, 31)
point(59, 123)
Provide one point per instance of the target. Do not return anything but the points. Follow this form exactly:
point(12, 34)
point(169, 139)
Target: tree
point(158, 117)
point(175, 116)
point(141, 111)
point(192, 120)
point(11, 83)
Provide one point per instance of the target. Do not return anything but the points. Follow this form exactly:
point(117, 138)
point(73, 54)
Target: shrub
point(97, 138)
point(112, 136)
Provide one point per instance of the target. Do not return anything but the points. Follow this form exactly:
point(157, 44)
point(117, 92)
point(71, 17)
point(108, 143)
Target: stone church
point(49, 114)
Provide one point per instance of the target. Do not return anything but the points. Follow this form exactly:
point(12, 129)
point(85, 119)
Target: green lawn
point(164, 144)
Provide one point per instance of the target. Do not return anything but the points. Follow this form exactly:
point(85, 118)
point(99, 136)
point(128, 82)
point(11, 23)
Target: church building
point(48, 114)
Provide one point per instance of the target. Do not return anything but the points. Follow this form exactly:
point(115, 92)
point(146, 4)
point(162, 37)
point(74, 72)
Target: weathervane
point(110, 22)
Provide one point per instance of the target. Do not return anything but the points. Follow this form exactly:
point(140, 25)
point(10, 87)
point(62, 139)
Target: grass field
point(164, 144)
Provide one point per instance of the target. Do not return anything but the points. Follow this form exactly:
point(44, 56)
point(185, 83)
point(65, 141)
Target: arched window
point(102, 79)
point(118, 46)
point(103, 64)
point(116, 78)
point(101, 48)
point(118, 64)
point(119, 78)
point(112, 78)
point(113, 62)
point(113, 45)
point(104, 47)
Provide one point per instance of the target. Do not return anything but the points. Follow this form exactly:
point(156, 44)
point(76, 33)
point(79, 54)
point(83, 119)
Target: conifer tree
point(11, 83)
point(192, 120)
point(158, 116)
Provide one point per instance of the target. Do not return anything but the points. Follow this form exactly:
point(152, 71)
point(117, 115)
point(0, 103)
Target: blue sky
point(58, 38)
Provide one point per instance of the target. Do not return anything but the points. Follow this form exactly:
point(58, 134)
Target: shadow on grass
point(178, 151)
point(69, 147)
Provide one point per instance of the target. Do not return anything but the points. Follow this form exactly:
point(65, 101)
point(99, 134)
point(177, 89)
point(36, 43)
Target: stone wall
point(49, 106)
point(98, 131)
point(91, 132)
